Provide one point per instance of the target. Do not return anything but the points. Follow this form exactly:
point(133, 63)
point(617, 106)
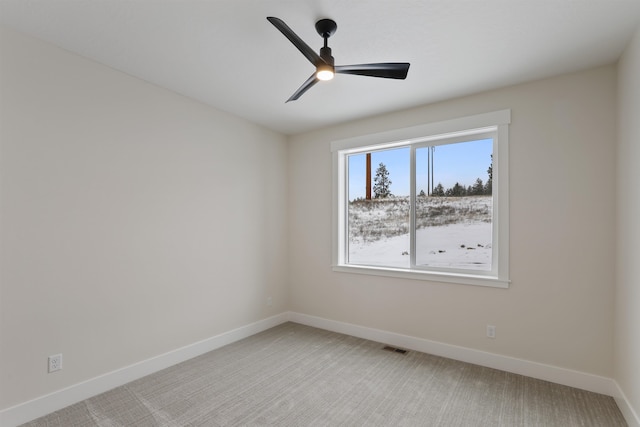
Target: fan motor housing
point(325, 54)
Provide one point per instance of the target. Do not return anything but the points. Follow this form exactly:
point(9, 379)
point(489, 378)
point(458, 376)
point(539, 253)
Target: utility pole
point(368, 191)
point(433, 153)
point(430, 183)
point(429, 191)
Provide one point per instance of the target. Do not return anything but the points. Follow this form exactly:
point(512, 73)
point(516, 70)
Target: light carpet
point(295, 375)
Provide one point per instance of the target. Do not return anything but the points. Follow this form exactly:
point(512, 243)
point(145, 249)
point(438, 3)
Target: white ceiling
point(226, 54)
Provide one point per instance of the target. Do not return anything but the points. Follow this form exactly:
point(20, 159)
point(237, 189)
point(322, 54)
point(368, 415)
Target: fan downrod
point(326, 27)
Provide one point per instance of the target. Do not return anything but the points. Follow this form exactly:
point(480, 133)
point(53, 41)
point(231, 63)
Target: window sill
point(457, 278)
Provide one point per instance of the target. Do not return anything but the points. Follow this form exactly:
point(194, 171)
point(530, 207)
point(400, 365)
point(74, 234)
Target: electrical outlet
point(491, 331)
point(55, 362)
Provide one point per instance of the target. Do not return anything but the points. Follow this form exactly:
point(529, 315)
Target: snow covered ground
point(453, 239)
point(466, 246)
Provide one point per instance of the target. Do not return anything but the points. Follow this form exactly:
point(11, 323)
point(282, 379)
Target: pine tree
point(488, 186)
point(457, 190)
point(478, 188)
point(381, 182)
point(438, 191)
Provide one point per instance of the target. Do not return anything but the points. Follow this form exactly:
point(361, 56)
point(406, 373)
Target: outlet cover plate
point(491, 331)
point(55, 362)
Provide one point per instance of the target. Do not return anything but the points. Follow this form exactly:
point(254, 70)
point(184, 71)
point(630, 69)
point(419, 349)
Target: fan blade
point(305, 87)
point(309, 53)
point(388, 70)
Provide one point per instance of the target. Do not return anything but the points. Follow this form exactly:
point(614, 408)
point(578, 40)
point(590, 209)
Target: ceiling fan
point(324, 63)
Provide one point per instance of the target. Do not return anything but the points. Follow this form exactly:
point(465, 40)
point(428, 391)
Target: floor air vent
point(394, 349)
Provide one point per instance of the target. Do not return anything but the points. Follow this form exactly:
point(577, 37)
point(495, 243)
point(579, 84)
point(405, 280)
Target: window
point(428, 202)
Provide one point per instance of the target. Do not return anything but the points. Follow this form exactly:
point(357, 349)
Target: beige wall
point(559, 308)
point(134, 220)
point(627, 328)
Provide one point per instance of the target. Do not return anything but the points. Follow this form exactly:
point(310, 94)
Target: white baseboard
point(541, 371)
point(554, 374)
point(43, 405)
point(52, 402)
point(630, 415)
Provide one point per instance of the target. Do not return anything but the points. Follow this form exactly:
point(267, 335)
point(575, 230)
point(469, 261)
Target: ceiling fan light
point(325, 72)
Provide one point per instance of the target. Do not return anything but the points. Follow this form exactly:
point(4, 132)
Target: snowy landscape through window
point(431, 204)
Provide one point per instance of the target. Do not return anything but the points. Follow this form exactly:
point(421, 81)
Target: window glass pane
point(454, 205)
point(378, 226)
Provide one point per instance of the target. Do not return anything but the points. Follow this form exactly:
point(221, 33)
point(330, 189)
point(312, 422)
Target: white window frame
point(451, 130)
